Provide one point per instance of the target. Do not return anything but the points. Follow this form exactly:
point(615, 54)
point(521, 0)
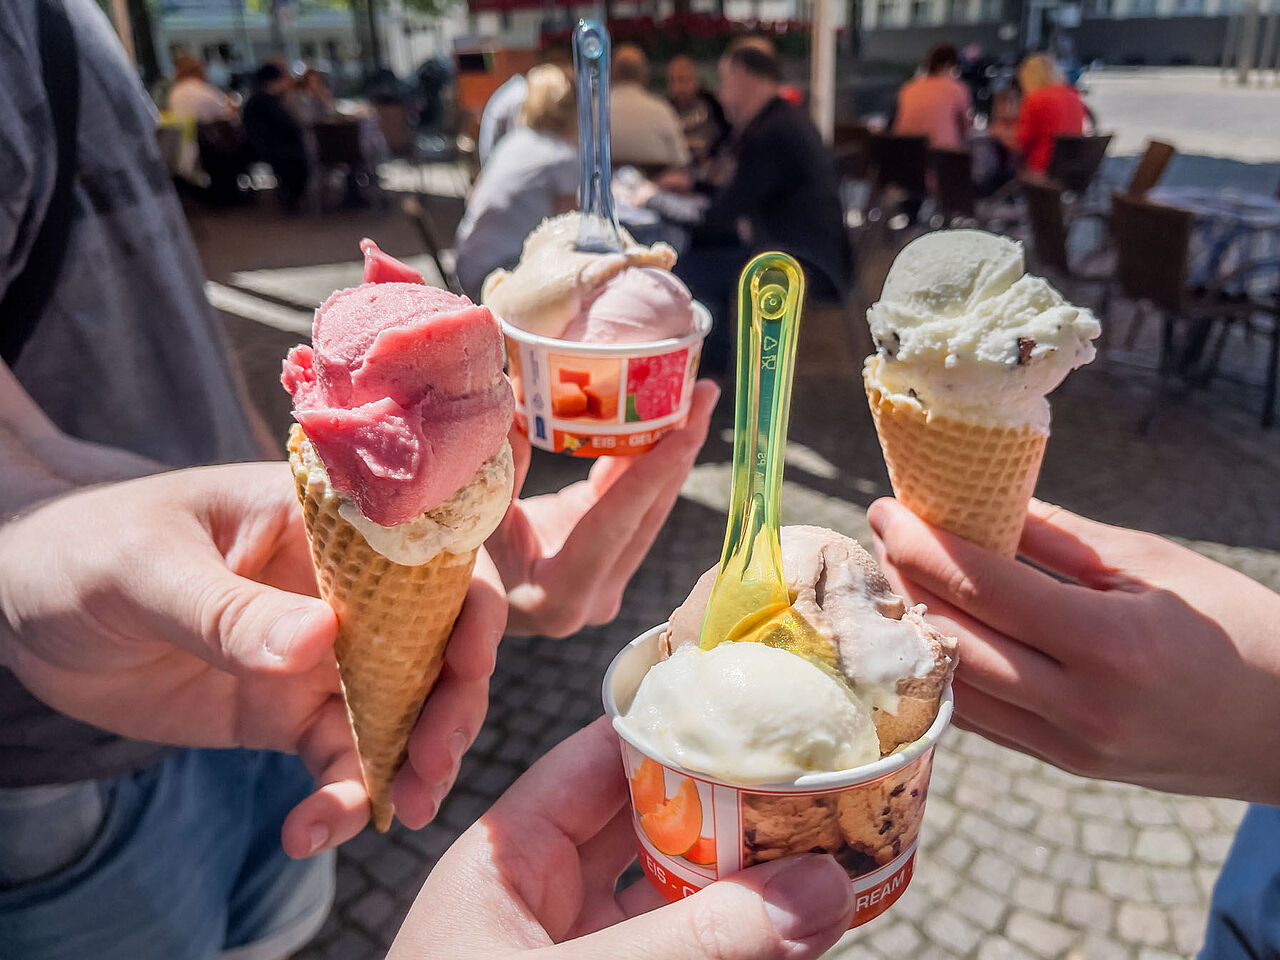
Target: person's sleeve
point(488, 134)
point(26, 167)
point(565, 174)
point(1028, 118)
point(717, 113)
point(759, 174)
point(679, 149)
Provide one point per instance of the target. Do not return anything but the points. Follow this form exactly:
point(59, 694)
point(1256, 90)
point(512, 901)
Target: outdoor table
point(653, 215)
point(1232, 229)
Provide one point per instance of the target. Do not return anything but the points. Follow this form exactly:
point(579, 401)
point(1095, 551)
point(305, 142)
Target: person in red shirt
point(1050, 108)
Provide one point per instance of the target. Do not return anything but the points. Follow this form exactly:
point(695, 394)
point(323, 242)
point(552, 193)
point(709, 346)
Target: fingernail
point(876, 517)
point(319, 837)
point(809, 895)
point(284, 632)
point(457, 745)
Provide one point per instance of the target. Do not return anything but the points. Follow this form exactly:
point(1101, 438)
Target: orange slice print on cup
point(647, 791)
point(675, 825)
point(703, 853)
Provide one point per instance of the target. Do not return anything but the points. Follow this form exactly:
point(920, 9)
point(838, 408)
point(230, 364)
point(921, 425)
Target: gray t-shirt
point(128, 351)
point(516, 191)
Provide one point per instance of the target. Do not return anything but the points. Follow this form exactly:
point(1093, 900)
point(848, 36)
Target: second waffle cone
point(970, 478)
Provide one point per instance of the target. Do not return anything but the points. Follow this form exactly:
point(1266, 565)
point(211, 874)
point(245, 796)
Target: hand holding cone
point(967, 348)
point(394, 623)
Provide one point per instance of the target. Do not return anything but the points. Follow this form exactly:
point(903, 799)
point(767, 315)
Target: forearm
point(39, 461)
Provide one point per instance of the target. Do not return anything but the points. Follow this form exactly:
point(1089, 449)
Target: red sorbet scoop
point(402, 392)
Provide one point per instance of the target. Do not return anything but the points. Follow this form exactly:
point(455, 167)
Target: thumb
point(240, 625)
point(792, 909)
point(522, 455)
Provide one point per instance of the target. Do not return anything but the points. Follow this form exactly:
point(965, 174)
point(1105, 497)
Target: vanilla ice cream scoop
point(962, 331)
point(749, 713)
point(891, 658)
point(561, 292)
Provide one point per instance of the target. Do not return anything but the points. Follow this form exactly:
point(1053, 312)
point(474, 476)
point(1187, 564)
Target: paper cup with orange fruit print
point(693, 829)
point(602, 399)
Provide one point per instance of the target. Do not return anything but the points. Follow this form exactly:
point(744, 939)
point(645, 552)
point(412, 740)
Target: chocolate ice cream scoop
point(890, 656)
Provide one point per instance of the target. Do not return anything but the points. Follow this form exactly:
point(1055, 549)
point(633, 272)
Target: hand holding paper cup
point(602, 340)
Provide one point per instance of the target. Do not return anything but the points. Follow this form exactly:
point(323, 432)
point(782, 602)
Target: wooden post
point(1248, 42)
point(822, 70)
point(1267, 56)
point(1229, 44)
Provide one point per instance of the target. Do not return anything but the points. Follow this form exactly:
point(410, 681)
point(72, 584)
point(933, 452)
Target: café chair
point(955, 195)
point(1049, 228)
point(1153, 246)
point(1076, 161)
point(338, 148)
point(899, 171)
point(1150, 167)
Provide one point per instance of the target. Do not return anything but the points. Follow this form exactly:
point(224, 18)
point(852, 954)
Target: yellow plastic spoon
point(749, 601)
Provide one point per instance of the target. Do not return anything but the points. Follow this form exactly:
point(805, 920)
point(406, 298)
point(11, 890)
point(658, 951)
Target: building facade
point(1115, 32)
point(237, 35)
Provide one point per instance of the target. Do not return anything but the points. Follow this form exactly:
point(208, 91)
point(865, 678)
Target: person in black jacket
point(274, 134)
point(782, 195)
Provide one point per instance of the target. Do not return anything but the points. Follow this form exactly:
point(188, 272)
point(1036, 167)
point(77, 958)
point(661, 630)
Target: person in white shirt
point(501, 113)
point(643, 128)
point(532, 174)
point(193, 97)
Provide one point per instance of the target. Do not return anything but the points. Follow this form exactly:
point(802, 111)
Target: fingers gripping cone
point(973, 479)
point(394, 623)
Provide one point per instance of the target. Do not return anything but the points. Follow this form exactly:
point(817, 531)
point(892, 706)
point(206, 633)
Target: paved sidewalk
point(1017, 858)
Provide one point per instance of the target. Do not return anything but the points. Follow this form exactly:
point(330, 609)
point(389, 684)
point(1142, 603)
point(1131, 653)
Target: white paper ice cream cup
point(867, 817)
point(603, 399)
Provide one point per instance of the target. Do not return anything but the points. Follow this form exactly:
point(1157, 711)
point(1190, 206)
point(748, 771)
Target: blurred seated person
point(1002, 126)
point(501, 111)
point(311, 101)
point(532, 174)
point(644, 130)
point(217, 148)
point(782, 195)
point(192, 97)
point(274, 134)
point(935, 104)
point(501, 114)
point(702, 120)
point(1051, 108)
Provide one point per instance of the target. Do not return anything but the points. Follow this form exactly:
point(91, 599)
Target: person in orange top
point(936, 104)
point(1051, 107)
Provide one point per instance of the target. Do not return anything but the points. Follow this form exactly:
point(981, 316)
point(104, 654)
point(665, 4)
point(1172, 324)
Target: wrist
point(8, 632)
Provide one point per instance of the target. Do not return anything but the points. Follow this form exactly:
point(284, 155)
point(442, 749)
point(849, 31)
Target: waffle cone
point(394, 623)
point(973, 479)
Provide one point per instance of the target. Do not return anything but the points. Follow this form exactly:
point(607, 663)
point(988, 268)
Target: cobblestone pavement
point(1017, 859)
